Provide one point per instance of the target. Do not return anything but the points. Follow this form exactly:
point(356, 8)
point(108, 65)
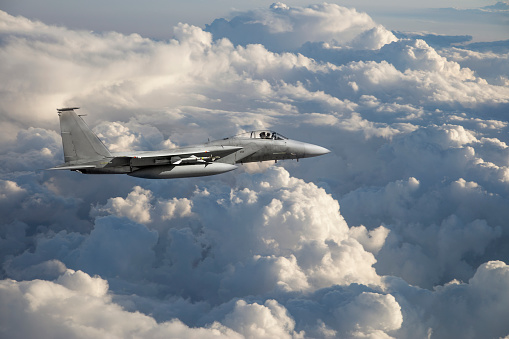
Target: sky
point(400, 232)
point(156, 19)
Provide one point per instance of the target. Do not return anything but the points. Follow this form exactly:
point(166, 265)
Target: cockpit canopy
point(259, 134)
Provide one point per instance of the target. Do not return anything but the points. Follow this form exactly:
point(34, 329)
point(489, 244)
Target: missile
point(192, 160)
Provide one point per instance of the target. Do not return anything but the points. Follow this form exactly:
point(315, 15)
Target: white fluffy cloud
point(270, 320)
point(135, 207)
point(489, 65)
point(283, 28)
point(78, 306)
point(280, 228)
point(377, 239)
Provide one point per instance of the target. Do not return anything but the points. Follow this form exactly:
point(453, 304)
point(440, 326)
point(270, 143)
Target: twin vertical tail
point(80, 143)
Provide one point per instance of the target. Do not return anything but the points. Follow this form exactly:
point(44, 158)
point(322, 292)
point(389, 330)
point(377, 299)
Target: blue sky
point(400, 232)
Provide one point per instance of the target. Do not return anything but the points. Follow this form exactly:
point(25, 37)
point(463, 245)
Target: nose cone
point(314, 150)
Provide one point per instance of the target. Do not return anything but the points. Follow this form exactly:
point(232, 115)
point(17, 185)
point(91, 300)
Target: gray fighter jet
point(85, 153)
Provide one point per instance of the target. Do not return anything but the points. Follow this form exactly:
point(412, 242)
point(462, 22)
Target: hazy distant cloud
point(488, 22)
point(500, 7)
point(435, 40)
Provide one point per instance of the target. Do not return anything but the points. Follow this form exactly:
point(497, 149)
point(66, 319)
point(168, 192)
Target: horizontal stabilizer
point(66, 109)
point(71, 167)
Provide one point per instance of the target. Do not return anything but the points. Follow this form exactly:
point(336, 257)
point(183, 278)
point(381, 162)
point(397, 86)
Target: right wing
point(178, 156)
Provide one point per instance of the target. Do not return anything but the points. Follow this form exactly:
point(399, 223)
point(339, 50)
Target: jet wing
point(206, 153)
point(185, 151)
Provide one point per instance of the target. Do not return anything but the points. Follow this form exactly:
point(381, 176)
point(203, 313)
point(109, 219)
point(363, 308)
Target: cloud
point(370, 313)
point(484, 23)
point(483, 63)
point(376, 239)
point(131, 136)
point(266, 81)
point(136, 206)
point(436, 40)
point(284, 28)
point(284, 236)
point(270, 320)
point(33, 148)
point(47, 304)
point(123, 249)
point(76, 306)
point(466, 305)
point(10, 190)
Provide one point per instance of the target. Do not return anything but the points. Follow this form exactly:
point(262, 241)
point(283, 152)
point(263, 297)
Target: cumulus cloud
point(136, 206)
point(370, 313)
point(77, 305)
point(270, 320)
point(466, 305)
point(377, 239)
point(283, 28)
point(119, 137)
point(284, 236)
point(10, 190)
point(483, 63)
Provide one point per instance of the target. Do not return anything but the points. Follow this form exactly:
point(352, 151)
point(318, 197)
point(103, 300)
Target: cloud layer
point(399, 232)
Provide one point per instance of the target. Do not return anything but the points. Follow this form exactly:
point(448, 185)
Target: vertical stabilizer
point(79, 142)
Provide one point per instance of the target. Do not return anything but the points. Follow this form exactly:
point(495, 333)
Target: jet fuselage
point(85, 153)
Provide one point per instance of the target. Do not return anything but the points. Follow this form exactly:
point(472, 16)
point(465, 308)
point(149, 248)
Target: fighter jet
point(85, 153)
